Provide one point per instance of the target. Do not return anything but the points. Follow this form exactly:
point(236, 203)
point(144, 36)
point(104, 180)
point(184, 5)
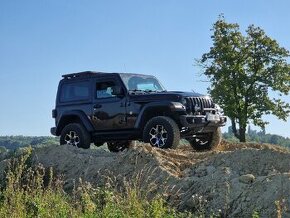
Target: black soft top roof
point(92, 74)
point(82, 74)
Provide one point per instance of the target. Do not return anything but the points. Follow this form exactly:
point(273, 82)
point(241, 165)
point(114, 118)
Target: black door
point(109, 106)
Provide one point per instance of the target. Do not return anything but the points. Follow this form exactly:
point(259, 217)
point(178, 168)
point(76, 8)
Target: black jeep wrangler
point(120, 107)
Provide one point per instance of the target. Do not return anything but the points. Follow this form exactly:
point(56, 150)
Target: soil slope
point(233, 181)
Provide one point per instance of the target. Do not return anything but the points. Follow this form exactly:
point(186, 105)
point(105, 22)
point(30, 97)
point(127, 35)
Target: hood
point(186, 94)
point(167, 95)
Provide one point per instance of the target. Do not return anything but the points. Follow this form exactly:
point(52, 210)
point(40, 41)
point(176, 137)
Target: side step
point(117, 135)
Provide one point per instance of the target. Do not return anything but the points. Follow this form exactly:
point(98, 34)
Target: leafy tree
point(242, 70)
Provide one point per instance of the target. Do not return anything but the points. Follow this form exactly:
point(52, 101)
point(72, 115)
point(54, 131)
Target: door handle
point(124, 104)
point(97, 106)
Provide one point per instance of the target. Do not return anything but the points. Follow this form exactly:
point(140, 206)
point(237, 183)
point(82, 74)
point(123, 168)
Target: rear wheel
point(118, 145)
point(76, 135)
point(162, 132)
point(99, 144)
point(206, 142)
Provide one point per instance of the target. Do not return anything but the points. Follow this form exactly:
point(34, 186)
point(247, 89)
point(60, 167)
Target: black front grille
point(200, 102)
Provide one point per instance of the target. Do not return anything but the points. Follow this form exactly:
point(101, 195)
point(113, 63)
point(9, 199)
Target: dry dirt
point(233, 181)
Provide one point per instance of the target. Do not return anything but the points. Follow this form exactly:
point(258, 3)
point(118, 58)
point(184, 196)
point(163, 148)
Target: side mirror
point(118, 91)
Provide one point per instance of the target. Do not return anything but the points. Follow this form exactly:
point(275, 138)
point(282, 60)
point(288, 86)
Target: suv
point(117, 108)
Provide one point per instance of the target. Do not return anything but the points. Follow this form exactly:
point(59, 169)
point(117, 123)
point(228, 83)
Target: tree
point(242, 70)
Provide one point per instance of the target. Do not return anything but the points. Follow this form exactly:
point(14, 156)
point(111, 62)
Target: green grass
point(36, 192)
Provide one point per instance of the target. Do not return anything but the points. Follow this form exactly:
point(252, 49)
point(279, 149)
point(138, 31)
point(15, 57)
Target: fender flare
point(166, 105)
point(80, 115)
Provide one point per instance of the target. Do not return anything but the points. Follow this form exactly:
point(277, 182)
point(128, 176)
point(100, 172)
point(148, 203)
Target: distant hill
point(13, 142)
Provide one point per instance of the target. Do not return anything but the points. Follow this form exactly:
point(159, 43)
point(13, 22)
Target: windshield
point(145, 83)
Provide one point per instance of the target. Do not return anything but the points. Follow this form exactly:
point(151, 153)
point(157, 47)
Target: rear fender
point(74, 117)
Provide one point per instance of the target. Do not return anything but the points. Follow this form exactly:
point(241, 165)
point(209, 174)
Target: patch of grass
point(36, 192)
point(255, 215)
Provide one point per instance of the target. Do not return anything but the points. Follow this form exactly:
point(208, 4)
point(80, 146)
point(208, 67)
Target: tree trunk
point(234, 128)
point(239, 133)
point(242, 134)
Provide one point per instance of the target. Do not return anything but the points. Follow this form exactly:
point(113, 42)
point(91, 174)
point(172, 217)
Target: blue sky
point(40, 40)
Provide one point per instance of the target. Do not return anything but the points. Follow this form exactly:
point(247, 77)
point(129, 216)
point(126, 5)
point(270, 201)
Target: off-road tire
point(80, 134)
point(171, 128)
point(209, 142)
point(118, 146)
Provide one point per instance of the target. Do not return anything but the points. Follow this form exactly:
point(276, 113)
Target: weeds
point(280, 207)
point(255, 215)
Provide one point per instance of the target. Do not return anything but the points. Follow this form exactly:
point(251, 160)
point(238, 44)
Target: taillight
point(54, 113)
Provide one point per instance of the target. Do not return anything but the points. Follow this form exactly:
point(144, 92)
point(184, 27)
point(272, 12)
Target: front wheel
point(76, 135)
point(162, 132)
point(206, 142)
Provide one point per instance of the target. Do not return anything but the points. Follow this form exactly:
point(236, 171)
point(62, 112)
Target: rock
point(247, 179)
point(226, 170)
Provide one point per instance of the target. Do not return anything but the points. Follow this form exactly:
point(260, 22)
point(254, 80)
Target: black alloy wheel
point(162, 132)
point(76, 135)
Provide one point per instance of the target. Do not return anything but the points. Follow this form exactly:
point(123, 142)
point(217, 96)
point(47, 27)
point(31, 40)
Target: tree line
point(259, 137)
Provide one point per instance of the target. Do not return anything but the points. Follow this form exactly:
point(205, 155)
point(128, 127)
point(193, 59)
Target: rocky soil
point(234, 181)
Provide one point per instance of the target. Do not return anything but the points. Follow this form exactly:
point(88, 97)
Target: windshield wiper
point(146, 91)
point(136, 90)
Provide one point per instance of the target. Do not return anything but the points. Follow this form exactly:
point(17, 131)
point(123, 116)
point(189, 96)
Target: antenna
point(125, 70)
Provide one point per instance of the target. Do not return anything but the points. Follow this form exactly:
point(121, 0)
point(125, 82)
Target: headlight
point(184, 102)
point(218, 108)
point(177, 105)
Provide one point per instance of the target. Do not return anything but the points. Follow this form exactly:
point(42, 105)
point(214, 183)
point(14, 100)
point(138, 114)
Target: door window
point(106, 89)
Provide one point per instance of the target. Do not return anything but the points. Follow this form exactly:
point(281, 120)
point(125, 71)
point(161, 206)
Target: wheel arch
point(73, 117)
point(153, 110)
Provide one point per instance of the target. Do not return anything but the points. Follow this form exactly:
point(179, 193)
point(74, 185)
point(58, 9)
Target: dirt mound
point(235, 181)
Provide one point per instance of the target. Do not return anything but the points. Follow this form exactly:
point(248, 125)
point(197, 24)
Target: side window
point(105, 89)
point(75, 91)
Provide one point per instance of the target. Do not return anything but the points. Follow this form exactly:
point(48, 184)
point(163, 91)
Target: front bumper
point(53, 131)
point(198, 121)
